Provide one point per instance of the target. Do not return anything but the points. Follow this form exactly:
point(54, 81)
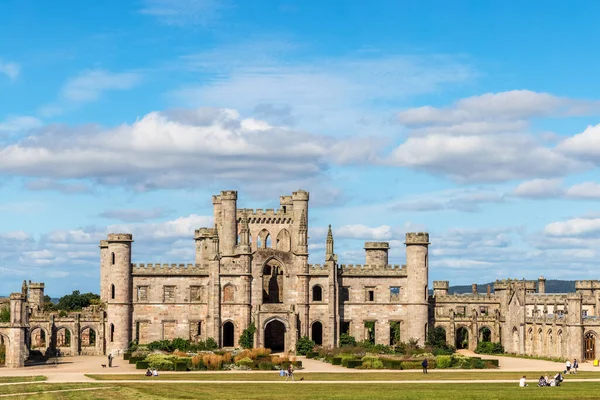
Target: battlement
point(505, 283)
point(17, 296)
point(204, 233)
point(228, 195)
point(441, 284)
point(358, 269)
point(36, 285)
point(269, 215)
point(169, 269)
point(377, 245)
point(120, 237)
point(285, 201)
point(300, 195)
point(103, 243)
point(417, 238)
point(588, 284)
point(466, 298)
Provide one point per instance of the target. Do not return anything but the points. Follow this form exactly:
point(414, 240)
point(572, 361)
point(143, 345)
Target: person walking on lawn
point(424, 364)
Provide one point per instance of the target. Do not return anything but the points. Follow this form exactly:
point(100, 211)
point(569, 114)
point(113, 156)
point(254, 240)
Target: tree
point(5, 314)
point(247, 337)
point(304, 345)
point(76, 301)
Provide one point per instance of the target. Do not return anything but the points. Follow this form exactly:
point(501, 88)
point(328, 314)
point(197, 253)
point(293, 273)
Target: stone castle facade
point(252, 267)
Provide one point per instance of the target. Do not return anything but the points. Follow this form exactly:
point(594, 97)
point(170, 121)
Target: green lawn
point(302, 391)
point(351, 376)
point(11, 379)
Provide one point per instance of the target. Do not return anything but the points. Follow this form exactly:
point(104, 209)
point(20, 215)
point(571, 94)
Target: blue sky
point(475, 121)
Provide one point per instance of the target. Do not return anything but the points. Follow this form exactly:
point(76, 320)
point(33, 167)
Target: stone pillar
point(229, 231)
point(16, 348)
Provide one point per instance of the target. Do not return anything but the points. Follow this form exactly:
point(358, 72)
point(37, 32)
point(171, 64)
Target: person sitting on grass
point(542, 381)
point(523, 381)
point(155, 372)
point(148, 372)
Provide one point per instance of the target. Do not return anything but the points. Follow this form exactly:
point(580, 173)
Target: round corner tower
point(417, 270)
point(117, 284)
point(376, 253)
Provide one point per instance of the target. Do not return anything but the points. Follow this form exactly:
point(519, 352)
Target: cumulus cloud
point(358, 231)
point(539, 189)
point(183, 149)
point(10, 69)
point(466, 200)
point(585, 145)
point(585, 190)
point(495, 158)
point(574, 227)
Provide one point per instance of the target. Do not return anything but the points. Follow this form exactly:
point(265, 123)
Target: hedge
point(298, 364)
point(133, 360)
point(336, 361)
point(354, 363)
point(180, 366)
point(141, 365)
point(311, 354)
point(126, 356)
point(495, 363)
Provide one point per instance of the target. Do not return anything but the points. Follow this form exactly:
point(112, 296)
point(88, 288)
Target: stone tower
point(35, 296)
point(117, 280)
point(228, 230)
point(417, 296)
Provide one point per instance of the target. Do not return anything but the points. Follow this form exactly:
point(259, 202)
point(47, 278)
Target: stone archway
point(589, 344)
point(462, 338)
point(316, 331)
point(275, 335)
point(485, 334)
point(228, 334)
point(272, 281)
point(4, 348)
point(38, 339)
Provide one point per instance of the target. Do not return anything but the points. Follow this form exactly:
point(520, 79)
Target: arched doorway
point(273, 282)
point(275, 336)
point(485, 334)
point(4, 345)
point(37, 339)
point(317, 333)
point(590, 346)
point(462, 338)
point(88, 337)
point(515, 340)
point(228, 334)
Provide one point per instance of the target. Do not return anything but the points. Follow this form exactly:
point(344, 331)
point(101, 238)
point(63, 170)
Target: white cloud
point(382, 232)
point(62, 187)
point(585, 190)
point(539, 189)
point(10, 69)
point(90, 85)
point(574, 227)
point(133, 215)
point(466, 200)
point(511, 105)
point(19, 123)
point(178, 149)
point(492, 158)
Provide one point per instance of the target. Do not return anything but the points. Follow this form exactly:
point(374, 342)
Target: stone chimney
point(474, 288)
point(541, 284)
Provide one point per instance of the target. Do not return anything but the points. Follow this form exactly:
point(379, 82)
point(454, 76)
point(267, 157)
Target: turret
point(120, 292)
point(376, 253)
point(541, 285)
point(300, 224)
point(474, 288)
point(104, 271)
point(329, 254)
point(16, 349)
point(35, 296)
point(244, 245)
point(440, 288)
point(417, 270)
point(228, 231)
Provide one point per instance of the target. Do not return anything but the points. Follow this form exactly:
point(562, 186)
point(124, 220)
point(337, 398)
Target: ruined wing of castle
point(252, 267)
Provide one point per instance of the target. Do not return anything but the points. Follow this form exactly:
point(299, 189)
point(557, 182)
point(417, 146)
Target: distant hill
point(552, 286)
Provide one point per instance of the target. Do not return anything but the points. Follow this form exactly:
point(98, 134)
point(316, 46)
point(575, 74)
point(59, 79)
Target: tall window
point(169, 294)
point(112, 258)
point(112, 332)
point(394, 293)
point(112, 291)
point(317, 293)
point(142, 293)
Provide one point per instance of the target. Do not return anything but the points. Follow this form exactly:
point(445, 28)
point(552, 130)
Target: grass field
point(361, 376)
point(262, 391)
point(11, 379)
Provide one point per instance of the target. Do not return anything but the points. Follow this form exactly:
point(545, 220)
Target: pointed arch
point(317, 293)
point(264, 239)
point(112, 258)
point(228, 293)
point(272, 281)
point(284, 240)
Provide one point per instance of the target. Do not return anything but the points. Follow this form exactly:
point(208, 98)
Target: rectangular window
point(195, 293)
point(560, 313)
point(142, 293)
point(483, 310)
point(169, 294)
point(394, 333)
point(584, 313)
point(461, 311)
point(371, 295)
point(394, 294)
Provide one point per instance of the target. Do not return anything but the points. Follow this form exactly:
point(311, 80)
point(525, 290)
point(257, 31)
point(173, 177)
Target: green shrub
point(346, 358)
point(444, 361)
point(476, 363)
point(347, 340)
point(265, 365)
point(489, 348)
point(246, 362)
point(297, 364)
point(411, 365)
point(247, 337)
point(311, 354)
point(354, 363)
point(211, 344)
point(493, 363)
point(126, 355)
point(336, 361)
point(141, 365)
point(162, 365)
point(304, 345)
point(133, 360)
point(180, 366)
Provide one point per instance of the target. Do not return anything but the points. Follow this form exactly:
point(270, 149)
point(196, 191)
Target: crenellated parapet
point(120, 237)
point(515, 283)
point(467, 298)
point(370, 270)
point(587, 285)
point(268, 216)
point(417, 238)
point(169, 269)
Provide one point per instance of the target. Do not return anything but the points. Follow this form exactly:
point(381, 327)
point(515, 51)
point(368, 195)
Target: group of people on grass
point(289, 373)
point(556, 379)
point(151, 372)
